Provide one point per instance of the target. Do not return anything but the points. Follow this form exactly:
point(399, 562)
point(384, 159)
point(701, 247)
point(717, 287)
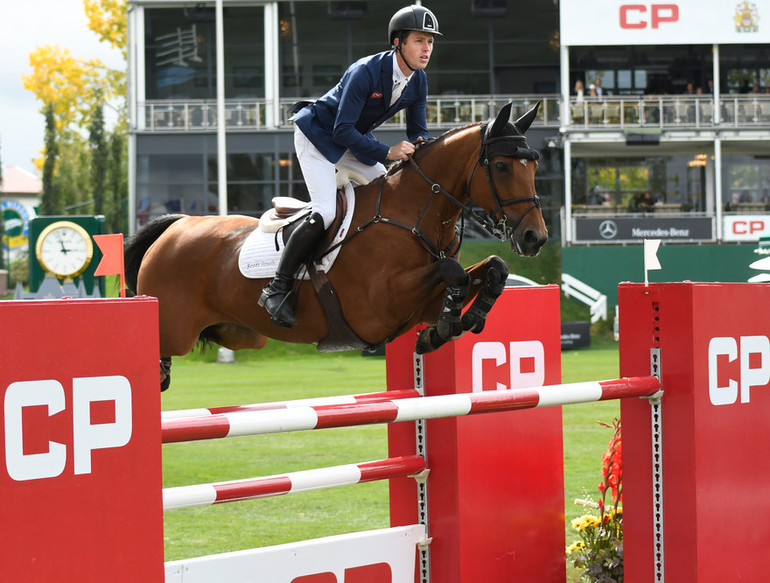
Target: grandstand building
point(684, 112)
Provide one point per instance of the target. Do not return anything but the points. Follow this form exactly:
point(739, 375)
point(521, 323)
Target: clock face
point(64, 249)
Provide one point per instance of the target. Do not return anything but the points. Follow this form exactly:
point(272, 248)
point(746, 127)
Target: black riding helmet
point(410, 18)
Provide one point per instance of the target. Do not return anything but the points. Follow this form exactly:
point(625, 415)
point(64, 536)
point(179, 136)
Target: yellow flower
point(584, 522)
point(576, 546)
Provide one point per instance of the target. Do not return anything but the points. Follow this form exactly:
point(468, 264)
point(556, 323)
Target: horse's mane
point(426, 147)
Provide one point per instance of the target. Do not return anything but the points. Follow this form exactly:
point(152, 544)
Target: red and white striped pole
point(304, 481)
point(317, 401)
point(303, 418)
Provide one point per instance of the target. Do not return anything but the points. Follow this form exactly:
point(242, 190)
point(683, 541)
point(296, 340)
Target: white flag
point(651, 254)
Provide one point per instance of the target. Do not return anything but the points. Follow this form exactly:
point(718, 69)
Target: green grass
point(287, 372)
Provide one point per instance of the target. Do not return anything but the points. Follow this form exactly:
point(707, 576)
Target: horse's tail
point(138, 244)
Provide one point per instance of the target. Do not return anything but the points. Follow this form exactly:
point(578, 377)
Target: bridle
point(511, 146)
point(496, 224)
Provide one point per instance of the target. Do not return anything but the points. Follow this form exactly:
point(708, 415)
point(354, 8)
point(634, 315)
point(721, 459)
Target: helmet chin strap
point(398, 50)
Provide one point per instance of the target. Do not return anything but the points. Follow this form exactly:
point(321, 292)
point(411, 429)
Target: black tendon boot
point(276, 295)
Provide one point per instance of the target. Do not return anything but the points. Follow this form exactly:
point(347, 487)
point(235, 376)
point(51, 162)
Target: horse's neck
point(448, 164)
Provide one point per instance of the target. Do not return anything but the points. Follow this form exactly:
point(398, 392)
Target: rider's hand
point(401, 151)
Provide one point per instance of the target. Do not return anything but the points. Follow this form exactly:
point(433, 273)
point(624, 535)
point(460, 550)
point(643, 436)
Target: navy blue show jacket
point(344, 118)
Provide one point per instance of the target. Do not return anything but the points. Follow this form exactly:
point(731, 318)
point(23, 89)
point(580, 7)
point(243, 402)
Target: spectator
point(579, 90)
point(599, 88)
point(592, 91)
point(642, 203)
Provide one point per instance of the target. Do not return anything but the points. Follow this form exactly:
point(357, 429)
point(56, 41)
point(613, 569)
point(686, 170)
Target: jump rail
point(303, 481)
point(336, 400)
point(304, 418)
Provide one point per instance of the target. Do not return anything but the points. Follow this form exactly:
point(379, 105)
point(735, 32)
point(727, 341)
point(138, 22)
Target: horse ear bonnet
point(502, 138)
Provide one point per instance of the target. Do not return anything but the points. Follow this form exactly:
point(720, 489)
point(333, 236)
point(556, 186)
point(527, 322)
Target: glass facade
point(489, 54)
point(180, 52)
point(678, 182)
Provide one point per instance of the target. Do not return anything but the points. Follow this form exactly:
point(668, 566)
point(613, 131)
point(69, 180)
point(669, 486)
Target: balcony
point(613, 113)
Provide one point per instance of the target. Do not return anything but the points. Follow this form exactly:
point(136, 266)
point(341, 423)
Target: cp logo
point(737, 365)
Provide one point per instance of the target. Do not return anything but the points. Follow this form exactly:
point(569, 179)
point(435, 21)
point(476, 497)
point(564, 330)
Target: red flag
point(111, 247)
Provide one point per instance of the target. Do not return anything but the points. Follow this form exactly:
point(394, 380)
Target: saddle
point(288, 212)
point(284, 217)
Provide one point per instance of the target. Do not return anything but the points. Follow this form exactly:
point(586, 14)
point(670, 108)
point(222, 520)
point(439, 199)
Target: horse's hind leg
point(165, 372)
point(449, 325)
point(491, 274)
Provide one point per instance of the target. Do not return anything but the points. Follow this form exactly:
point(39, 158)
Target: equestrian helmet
point(413, 17)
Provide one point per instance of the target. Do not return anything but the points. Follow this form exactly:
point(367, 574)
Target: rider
point(335, 133)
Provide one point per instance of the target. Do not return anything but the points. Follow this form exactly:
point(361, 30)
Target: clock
point(64, 249)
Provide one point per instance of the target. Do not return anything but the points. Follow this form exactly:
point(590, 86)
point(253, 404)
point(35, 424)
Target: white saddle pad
point(258, 258)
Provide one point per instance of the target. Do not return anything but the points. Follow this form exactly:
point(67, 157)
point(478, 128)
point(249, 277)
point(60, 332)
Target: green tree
point(49, 203)
point(73, 178)
point(99, 159)
point(117, 214)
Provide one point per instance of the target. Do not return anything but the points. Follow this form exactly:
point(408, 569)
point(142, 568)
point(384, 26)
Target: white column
point(221, 129)
point(717, 145)
point(565, 88)
point(718, 185)
point(717, 89)
point(272, 77)
point(567, 153)
point(135, 92)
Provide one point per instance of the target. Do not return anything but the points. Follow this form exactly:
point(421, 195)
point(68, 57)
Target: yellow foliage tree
point(107, 18)
point(74, 85)
point(71, 84)
point(67, 83)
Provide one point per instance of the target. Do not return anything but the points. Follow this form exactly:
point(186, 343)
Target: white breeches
point(319, 174)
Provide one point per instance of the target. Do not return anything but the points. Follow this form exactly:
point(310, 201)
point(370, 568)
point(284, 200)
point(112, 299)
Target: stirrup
point(275, 303)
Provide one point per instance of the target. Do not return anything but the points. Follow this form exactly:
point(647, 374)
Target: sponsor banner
point(575, 335)
point(746, 228)
point(637, 229)
point(375, 556)
point(681, 22)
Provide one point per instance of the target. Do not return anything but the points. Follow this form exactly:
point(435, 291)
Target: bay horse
point(396, 267)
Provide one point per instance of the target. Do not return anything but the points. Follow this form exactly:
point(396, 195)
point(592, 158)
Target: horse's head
point(509, 197)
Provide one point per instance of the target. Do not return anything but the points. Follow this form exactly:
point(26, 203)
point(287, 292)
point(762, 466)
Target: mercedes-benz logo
point(608, 229)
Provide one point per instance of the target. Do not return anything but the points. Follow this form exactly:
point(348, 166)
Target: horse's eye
point(501, 166)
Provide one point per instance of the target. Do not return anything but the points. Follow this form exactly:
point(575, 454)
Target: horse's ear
point(502, 119)
point(526, 120)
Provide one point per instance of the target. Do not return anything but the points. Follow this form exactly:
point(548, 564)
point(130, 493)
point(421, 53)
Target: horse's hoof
point(165, 373)
point(426, 341)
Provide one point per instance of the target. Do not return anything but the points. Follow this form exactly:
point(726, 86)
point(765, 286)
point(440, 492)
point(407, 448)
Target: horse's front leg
point(449, 325)
point(490, 275)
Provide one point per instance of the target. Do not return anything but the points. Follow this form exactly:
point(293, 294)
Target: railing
point(201, 115)
point(615, 113)
point(596, 300)
point(670, 112)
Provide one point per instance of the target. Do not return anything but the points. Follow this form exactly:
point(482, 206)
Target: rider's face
point(416, 49)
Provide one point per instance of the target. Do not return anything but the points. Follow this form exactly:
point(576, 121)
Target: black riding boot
point(276, 294)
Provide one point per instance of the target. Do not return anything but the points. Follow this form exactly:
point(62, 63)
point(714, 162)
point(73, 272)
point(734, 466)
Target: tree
point(49, 205)
point(117, 216)
point(99, 156)
point(74, 91)
point(67, 84)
